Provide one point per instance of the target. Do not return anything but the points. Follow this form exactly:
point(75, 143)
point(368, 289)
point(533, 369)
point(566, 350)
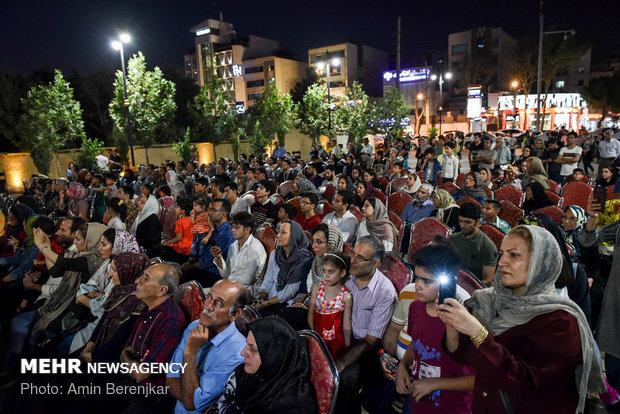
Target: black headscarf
point(282, 383)
point(540, 199)
point(298, 256)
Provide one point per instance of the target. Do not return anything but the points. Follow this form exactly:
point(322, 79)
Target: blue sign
point(408, 75)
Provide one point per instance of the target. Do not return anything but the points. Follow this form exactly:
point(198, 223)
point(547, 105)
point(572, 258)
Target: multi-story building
point(350, 62)
point(260, 71)
point(190, 65)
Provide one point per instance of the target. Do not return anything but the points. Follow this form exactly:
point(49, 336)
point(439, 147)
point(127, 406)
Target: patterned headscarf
point(571, 236)
point(334, 243)
point(445, 199)
point(124, 242)
point(306, 186)
point(498, 309)
point(580, 215)
point(77, 191)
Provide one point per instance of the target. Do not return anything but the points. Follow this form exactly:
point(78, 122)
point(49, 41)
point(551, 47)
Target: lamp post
point(442, 75)
point(327, 64)
point(515, 86)
point(118, 45)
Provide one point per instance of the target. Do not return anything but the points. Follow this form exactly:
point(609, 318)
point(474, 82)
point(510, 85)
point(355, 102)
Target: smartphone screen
point(447, 287)
point(599, 197)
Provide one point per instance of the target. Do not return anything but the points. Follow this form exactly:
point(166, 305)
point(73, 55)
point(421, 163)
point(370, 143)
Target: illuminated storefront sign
point(203, 31)
point(554, 100)
point(237, 70)
point(408, 75)
point(474, 101)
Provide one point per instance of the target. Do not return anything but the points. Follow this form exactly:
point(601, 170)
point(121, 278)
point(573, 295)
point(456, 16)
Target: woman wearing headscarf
point(446, 209)
point(78, 206)
point(535, 172)
point(513, 334)
point(525, 154)
point(287, 269)
point(121, 309)
point(306, 186)
point(176, 187)
point(487, 178)
point(14, 234)
point(535, 198)
point(473, 188)
point(147, 226)
point(377, 222)
point(325, 238)
point(275, 377)
point(413, 184)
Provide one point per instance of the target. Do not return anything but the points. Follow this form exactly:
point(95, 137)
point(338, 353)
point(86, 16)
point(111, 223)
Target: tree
point(311, 116)
point(185, 150)
point(51, 118)
point(274, 112)
point(524, 63)
point(353, 115)
point(13, 87)
point(389, 113)
point(95, 93)
point(603, 94)
point(89, 149)
point(151, 102)
point(298, 92)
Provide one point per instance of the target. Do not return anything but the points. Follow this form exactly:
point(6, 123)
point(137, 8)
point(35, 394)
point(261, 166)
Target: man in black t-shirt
point(116, 163)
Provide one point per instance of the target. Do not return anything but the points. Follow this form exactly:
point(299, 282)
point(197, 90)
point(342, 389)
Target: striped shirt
point(372, 305)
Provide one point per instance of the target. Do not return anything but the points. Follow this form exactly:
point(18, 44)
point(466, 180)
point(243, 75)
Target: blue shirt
point(224, 238)
point(413, 213)
point(216, 360)
point(279, 152)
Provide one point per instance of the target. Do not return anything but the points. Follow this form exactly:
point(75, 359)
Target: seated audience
point(341, 217)
point(490, 210)
point(421, 207)
point(264, 209)
point(178, 248)
point(446, 210)
point(307, 218)
point(377, 223)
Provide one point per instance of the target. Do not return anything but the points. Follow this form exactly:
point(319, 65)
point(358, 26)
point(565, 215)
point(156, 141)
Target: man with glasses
point(211, 347)
point(374, 298)
point(308, 219)
point(341, 217)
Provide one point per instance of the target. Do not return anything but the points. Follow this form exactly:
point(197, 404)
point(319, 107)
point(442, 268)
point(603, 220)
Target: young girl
point(331, 303)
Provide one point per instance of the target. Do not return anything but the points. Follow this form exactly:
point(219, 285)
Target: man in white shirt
point(246, 258)
point(608, 151)
point(102, 162)
point(342, 217)
point(569, 156)
point(231, 193)
point(367, 148)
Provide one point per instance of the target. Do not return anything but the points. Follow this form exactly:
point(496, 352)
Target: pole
point(540, 57)
point(440, 97)
point(329, 97)
point(129, 137)
point(398, 55)
point(428, 103)
point(514, 112)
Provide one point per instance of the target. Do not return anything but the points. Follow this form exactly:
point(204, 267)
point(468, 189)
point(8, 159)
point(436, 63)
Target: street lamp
point(118, 45)
point(441, 77)
point(327, 64)
point(515, 86)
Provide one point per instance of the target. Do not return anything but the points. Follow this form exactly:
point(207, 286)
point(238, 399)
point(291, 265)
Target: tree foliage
point(389, 113)
point(51, 118)
point(89, 149)
point(353, 115)
point(151, 101)
point(185, 150)
point(603, 94)
point(275, 113)
point(311, 115)
point(300, 88)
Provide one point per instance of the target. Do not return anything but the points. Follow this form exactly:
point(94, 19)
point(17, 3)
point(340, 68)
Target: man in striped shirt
point(374, 298)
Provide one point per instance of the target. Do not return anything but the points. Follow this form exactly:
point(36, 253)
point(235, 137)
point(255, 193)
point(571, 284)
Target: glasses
point(304, 203)
point(358, 258)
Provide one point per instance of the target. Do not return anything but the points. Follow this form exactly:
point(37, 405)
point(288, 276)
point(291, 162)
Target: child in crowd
point(200, 226)
point(553, 167)
point(178, 248)
point(450, 166)
point(436, 384)
point(331, 303)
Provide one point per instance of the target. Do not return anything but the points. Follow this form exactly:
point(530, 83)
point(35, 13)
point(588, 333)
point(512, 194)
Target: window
point(459, 49)
point(253, 69)
point(254, 96)
point(559, 84)
point(580, 82)
point(255, 83)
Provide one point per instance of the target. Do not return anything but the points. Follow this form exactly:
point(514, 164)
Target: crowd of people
point(93, 266)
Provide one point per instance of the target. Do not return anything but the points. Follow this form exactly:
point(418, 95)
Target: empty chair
point(554, 197)
point(495, 234)
point(324, 374)
point(449, 187)
point(393, 267)
point(323, 208)
point(190, 297)
point(285, 188)
point(357, 213)
point(510, 213)
point(397, 184)
point(423, 232)
point(554, 212)
point(383, 183)
point(469, 281)
point(577, 193)
point(553, 186)
point(398, 201)
point(464, 200)
point(380, 195)
point(398, 222)
point(510, 193)
point(328, 192)
point(267, 237)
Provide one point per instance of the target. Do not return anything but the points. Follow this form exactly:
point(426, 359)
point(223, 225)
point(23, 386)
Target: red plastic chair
point(277, 200)
point(398, 222)
point(510, 193)
point(250, 197)
point(285, 188)
point(383, 184)
point(328, 192)
point(248, 314)
point(398, 201)
point(357, 213)
point(570, 179)
point(420, 174)
point(397, 184)
point(554, 212)
point(577, 193)
point(449, 187)
point(488, 192)
point(393, 267)
point(347, 249)
point(554, 197)
point(380, 195)
point(510, 213)
point(295, 202)
point(324, 375)
point(190, 297)
point(464, 200)
point(267, 236)
point(323, 209)
point(469, 281)
point(423, 232)
point(495, 234)
point(553, 186)
point(460, 180)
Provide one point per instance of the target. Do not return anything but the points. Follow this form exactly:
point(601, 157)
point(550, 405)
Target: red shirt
point(310, 223)
point(183, 226)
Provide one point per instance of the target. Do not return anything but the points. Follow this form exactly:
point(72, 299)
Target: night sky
point(77, 34)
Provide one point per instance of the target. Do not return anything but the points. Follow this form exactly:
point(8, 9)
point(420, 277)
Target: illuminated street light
point(515, 86)
point(420, 97)
point(441, 77)
point(327, 64)
point(118, 45)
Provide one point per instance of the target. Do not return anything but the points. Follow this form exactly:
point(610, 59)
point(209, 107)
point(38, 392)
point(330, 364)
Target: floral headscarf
point(77, 191)
point(124, 242)
point(334, 243)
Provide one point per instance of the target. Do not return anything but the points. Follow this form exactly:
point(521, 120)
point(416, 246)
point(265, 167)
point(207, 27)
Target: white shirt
point(368, 149)
point(609, 149)
point(246, 265)
point(347, 224)
point(102, 162)
point(240, 205)
point(450, 167)
point(567, 169)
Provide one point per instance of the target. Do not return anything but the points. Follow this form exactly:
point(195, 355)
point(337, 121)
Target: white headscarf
point(176, 187)
point(150, 207)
